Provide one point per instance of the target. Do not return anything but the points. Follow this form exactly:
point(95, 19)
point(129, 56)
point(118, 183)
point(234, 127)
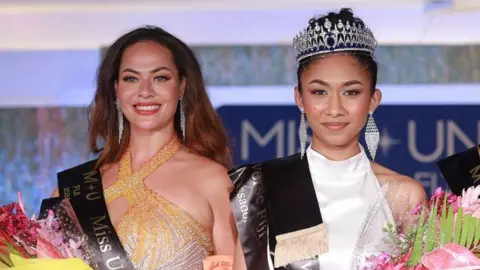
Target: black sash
point(278, 195)
point(461, 170)
point(249, 207)
point(293, 204)
point(82, 185)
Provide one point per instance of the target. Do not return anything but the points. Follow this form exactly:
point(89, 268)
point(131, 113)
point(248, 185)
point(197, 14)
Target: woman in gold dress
point(163, 163)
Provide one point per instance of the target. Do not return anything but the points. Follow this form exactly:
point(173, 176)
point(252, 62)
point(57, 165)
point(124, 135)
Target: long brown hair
point(204, 132)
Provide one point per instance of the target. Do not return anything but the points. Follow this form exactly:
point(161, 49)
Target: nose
point(335, 107)
point(146, 89)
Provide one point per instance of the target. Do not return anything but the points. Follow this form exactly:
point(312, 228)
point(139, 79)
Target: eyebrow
point(152, 71)
point(347, 83)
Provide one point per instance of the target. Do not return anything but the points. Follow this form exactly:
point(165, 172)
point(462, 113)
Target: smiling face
point(336, 96)
point(148, 86)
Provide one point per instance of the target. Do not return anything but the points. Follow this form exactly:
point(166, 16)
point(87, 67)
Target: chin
point(338, 142)
point(146, 128)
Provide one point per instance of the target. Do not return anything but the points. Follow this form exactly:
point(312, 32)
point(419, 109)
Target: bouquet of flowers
point(52, 242)
point(446, 236)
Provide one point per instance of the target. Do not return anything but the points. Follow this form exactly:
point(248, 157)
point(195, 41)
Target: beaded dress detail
point(156, 233)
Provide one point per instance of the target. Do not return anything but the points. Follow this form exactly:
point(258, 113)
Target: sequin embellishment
point(156, 233)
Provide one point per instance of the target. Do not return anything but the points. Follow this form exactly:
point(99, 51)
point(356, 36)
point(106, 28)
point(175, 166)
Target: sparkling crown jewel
point(323, 36)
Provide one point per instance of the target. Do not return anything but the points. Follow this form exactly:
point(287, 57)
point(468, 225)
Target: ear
point(298, 98)
point(183, 85)
point(375, 100)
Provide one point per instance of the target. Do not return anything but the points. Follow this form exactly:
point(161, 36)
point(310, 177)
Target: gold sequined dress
point(156, 233)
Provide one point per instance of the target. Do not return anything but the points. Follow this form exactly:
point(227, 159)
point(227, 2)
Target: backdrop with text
point(413, 137)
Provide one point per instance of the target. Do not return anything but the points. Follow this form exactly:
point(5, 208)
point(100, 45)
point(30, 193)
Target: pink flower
point(438, 193)
point(376, 262)
point(417, 209)
point(449, 256)
point(469, 201)
point(16, 225)
point(438, 197)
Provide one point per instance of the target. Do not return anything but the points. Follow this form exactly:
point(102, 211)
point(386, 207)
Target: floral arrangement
point(445, 236)
point(31, 243)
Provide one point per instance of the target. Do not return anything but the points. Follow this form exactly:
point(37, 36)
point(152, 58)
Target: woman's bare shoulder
point(401, 183)
point(208, 173)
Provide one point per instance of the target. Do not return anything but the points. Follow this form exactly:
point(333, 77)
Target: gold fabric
point(156, 233)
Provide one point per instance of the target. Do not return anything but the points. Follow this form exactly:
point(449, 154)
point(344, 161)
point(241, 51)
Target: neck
point(336, 153)
point(144, 144)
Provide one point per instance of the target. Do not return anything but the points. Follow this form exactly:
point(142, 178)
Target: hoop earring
point(120, 120)
point(372, 136)
point(302, 133)
point(182, 118)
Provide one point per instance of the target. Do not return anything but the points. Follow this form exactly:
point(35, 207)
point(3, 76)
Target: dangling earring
point(182, 118)
point(302, 133)
point(372, 136)
point(120, 121)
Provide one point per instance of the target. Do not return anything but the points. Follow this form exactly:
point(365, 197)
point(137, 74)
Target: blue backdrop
point(412, 137)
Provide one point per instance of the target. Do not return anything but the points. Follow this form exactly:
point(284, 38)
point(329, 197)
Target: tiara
point(328, 38)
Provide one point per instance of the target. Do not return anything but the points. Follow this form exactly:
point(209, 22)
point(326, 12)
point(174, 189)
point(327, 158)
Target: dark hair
point(204, 132)
point(364, 59)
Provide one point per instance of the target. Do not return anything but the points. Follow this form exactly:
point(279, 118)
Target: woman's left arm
point(224, 231)
point(416, 196)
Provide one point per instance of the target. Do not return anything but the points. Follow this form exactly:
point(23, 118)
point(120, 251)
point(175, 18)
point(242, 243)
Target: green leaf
point(14, 249)
point(431, 229)
point(472, 225)
point(417, 251)
point(458, 226)
point(449, 226)
point(444, 206)
point(445, 230)
point(476, 240)
point(442, 238)
point(4, 265)
point(5, 260)
point(464, 230)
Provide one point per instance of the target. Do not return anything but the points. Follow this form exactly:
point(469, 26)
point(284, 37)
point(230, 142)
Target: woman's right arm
point(239, 260)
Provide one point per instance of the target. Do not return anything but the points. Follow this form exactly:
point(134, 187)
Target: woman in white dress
point(307, 211)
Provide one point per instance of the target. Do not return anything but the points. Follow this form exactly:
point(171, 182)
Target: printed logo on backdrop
point(412, 139)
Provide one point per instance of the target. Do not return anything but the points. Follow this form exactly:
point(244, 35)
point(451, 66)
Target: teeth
point(147, 108)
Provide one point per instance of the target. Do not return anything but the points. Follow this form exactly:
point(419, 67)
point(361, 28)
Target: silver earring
point(302, 133)
point(182, 118)
point(372, 136)
point(120, 120)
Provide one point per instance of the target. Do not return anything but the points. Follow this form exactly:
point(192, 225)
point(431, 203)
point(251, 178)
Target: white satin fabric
point(345, 189)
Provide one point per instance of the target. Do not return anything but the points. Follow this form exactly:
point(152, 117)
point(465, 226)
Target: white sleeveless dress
point(345, 190)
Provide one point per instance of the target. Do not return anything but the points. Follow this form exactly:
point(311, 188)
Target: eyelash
point(347, 93)
point(319, 92)
point(129, 79)
point(352, 92)
point(133, 79)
